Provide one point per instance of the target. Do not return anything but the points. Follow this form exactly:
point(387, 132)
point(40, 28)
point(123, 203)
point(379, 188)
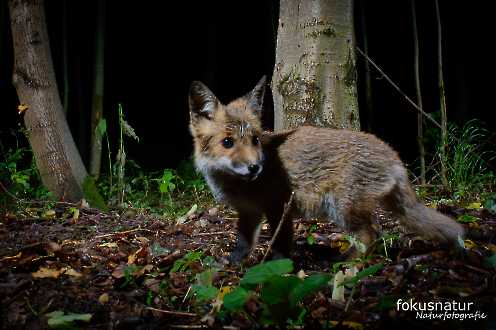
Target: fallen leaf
point(474, 206)
point(223, 291)
point(53, 247)
point(49, 214)
point(12, 257)
point(104, 298)
point(44, 272)
point(192, 210)
point(71, 272)
point(469, 244)
point(109, 245)
point(119, 271)
point(467, 218)
point(57, 319)
point(338, 288)
point(22, 108)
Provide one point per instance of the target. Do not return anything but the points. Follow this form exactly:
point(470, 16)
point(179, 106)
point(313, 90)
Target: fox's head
point(227, 137)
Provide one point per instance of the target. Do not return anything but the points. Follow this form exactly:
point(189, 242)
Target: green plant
point(167, 183)
point(185, 262)
point(19, 176)
point(310, 238)
point(129, 272)
point(279, 293)
point(467, 159)
point(124, 129)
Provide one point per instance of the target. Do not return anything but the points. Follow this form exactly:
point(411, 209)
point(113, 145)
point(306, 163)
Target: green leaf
point(386, 303)
point(356, 243)
point(261, 273)
point(182, 264)
point(490, 261)
point(235, 300)
point(205, 292)
point(310, 285)
point(57, 319)
point(364, 273)
point(467, 218)
point(101, 128)
point(276, 290)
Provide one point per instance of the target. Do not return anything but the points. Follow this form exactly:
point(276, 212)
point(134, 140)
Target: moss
point(327, 31)
point(92, 195)
point(350, 71)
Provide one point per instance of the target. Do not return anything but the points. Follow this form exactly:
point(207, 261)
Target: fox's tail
point(432, 225)
point(427, 222)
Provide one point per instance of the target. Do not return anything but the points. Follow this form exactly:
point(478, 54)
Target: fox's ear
point(255, 98)
point(202, 102)
point(274, 140)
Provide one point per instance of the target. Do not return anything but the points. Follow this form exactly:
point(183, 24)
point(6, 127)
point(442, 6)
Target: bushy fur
point(339, 175)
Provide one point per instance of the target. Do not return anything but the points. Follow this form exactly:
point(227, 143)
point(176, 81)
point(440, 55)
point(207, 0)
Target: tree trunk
point(97, 109)
point(65, 57)
point(369, 104)
point(442, 97)
point(57, 157)
point(420, 116)
point(314, 80)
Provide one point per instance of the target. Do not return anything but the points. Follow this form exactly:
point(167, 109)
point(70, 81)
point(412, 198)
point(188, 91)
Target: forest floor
point(80, 268)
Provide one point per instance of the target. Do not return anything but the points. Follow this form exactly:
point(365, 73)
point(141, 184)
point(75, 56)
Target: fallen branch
point(214, 233)
point(287, 207)
point(125, 232)
point(171, 312)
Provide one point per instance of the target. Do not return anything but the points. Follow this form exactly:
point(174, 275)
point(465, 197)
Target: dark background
point(154, 49)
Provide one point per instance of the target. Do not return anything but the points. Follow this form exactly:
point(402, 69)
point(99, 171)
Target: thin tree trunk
point(57, 157)
point(97, 109)
point(65, 58)
point(314, 78)
point(442, 96)
point(420, 117)
point(368, 77)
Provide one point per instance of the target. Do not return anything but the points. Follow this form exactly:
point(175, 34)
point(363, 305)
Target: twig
point(214, 233)
point(199, 326)
point(125, 232)
point(8, 192)
point(287, 207)
point(171, 312)
point(397, 88)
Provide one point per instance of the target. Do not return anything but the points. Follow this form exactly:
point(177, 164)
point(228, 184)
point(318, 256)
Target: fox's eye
point(255, 140)
point(228, 143)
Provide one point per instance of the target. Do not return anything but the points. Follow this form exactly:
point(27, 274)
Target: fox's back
point(327, 167)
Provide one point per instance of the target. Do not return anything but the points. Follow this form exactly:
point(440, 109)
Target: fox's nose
point(253, 168)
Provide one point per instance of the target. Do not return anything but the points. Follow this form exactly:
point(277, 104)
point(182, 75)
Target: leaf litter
point(109, 271)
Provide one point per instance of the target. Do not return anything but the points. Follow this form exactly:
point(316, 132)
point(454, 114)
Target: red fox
point(336, 174)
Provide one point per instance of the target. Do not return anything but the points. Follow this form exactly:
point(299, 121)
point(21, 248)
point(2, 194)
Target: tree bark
point(65, 57)
point(369, 104)
point(442, 98)
point(314, 79)
point(97, 109)
point(56, 155)
point(420, 116)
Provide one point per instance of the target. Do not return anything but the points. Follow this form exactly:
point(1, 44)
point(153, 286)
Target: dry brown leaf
point(44, 272)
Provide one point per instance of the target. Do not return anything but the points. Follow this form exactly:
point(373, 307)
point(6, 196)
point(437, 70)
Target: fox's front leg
point(283, 244)
point(247, 230)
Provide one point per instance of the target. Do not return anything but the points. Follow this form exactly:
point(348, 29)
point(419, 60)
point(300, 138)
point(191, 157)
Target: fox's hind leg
point(359, 222)
point(247, 231)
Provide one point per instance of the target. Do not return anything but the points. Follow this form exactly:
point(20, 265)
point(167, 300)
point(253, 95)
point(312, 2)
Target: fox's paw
point(238, 255)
